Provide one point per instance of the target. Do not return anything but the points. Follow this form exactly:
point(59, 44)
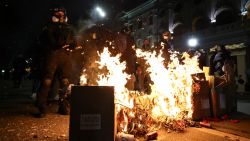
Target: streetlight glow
point(244, 13)
point(213, 20)
point(100, 12)
point(192, 42)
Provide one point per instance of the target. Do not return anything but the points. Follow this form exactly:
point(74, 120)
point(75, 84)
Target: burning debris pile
point(169, 105)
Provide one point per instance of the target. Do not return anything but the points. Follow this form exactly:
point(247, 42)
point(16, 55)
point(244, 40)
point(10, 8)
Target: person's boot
point(63, 106)
point(63, 102)
point(40, 113)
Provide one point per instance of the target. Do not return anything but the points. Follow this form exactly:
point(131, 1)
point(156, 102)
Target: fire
point(170, 98)
point(115, 76)
point(172, 86)
point(83, 78)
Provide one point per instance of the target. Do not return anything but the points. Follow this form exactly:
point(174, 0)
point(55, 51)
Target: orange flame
point(83, 78)
point(115, 77)
point(171, 93)
point(172, 86)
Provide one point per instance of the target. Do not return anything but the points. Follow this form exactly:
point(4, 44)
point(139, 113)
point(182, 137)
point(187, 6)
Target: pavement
point(237, 123)
point(244, 103)
point(16, 122)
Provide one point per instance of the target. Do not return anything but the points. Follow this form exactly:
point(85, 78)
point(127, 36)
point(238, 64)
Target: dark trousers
point(57, 61)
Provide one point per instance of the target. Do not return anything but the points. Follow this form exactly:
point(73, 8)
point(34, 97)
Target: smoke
point(84, 24)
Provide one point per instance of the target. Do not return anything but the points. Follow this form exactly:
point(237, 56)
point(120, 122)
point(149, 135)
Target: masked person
point(167, 45)
point(58, 39)
point(219, 59)
point(125, 43)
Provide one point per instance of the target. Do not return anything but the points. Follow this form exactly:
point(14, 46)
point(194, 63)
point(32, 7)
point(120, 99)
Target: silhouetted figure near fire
point(221, 56)
point(58, 38)
point(166, 45)
point(91, 47)
point(211, 62)
point(224, 81)
point(126, 46)
point(19, 70)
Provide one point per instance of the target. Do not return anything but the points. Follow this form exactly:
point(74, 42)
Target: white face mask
point(55, 19)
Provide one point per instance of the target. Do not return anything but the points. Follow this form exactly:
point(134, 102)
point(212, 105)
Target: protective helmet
point(58, 14)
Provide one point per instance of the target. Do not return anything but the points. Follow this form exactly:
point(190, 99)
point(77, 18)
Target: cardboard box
point(202, 102)
point(92, 115)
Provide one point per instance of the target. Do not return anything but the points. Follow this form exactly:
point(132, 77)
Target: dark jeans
point(58, 60)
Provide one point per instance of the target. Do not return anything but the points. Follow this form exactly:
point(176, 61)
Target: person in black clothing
point(167, 40)
point(219, 59)
point(166, 46)
point(128, 52)
point(19, 70)
point(58, 39)
point(211, 62)
point(126, 46)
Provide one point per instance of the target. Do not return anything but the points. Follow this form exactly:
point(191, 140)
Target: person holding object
point(58, 39)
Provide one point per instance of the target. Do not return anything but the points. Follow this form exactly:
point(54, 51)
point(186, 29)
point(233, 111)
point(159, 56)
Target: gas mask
point(59, 15)
point(55, 19)
point(61, 19)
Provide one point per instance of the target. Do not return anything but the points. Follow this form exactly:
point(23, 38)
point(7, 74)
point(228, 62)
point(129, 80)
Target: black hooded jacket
point(56, 35)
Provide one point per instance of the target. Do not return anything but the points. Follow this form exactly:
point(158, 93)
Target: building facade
point(211, 22)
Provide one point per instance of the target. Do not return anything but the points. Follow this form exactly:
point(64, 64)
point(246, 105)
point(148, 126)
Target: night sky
point(22, 20)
